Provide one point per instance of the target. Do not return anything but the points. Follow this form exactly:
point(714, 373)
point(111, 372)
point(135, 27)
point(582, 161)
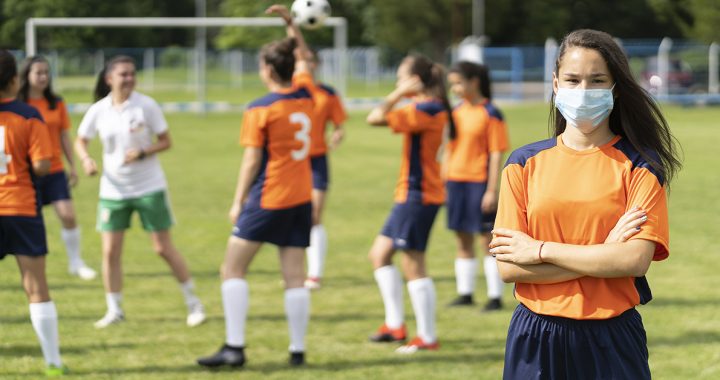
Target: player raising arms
point(133, 131)
point(472, 163)
point(327, 107)
point(577, 278)
point(25, 152)
point(36, 90)
point(418, 196)
point(272, 202)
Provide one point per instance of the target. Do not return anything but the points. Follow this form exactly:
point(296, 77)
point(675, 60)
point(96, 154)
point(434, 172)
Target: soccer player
point(577, 283)
point(133, 131)
point(272, 202)
point(418, 196)
point(473, 163)
point(25, 152)
point(36, 90)
point(328, 108)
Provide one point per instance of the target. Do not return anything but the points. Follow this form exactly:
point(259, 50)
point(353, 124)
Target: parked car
point(680, 77)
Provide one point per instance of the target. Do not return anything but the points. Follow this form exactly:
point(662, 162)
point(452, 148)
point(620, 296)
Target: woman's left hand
point(132, 155)
point(515, 247)
point(489, 202)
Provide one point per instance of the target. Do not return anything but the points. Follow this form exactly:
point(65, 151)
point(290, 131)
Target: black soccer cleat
point(297, 359)
point(493, 304)
point(228, 355)
point(462, 300)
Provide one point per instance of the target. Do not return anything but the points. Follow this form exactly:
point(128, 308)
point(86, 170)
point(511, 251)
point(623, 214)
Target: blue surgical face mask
point(583, 108)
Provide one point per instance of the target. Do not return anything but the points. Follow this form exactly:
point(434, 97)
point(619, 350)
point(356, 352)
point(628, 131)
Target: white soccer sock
point(114, 302)
point(422, 296)
point(317, 251)
point(492, 276)
point(71, 237)
point(465, 273)
point(188, 291)
point(44, 320)
point(236, 298)
point(297, 311)
point(391, 289)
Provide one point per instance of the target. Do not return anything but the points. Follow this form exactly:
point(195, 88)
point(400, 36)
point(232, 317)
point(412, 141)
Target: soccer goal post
point(339, 25)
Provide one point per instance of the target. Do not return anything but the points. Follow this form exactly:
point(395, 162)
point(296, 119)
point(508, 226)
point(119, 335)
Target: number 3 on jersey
point(4, 157)
point(303, 135)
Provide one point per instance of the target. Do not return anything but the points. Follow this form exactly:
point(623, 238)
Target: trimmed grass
point(154, 343)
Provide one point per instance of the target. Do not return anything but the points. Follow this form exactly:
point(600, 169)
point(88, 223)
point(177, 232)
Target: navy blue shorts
point(288, 227)
point(545, 347)
point(464, 207)
point(52, 187)
point(409, 225)
point(22, 235)
point(320, 174)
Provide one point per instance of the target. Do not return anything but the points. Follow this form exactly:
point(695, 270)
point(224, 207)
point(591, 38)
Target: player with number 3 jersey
point(272, 201)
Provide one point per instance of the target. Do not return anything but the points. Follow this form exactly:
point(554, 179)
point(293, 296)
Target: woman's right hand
point(627, 226)
point(89, 166)
point(281, 11)
point(410, 86)
point(234, 212)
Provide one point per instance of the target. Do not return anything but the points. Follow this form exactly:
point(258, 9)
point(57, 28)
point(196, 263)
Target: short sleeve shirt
point(57, 121)
point(131, 125)
point(24, 139)
point(554, 193)
point(481, 130)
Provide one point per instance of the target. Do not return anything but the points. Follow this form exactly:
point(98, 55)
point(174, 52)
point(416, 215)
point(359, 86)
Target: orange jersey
point(327, 107)
point(24, 139)
point(554, 193)
point(280, 123)
point(480, 130)
point(422, 123)
point(57, 121)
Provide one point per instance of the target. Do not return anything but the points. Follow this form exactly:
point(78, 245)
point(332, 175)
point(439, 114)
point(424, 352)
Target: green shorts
point(154, 211)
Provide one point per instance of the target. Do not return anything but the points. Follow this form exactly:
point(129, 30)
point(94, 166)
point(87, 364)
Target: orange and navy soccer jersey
point(554, 193)
point(480, 130)
point(24, 139)
point(280, 123)
point(327, 107)
point(423, 124)
point(57, 121)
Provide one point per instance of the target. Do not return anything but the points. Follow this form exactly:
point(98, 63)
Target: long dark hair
point(635, 115)
point(280, 56)
point(102, 89)
point(432, 76)
point(24, 92)
point(470, 70)
point(8, 68)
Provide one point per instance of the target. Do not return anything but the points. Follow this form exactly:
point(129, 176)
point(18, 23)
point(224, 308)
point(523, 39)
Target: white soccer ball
point(310, 14)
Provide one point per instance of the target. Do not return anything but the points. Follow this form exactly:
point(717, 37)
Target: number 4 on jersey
point(303, 135)
point(4, 157)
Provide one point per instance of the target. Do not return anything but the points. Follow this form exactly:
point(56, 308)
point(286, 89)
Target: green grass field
point(682, 323)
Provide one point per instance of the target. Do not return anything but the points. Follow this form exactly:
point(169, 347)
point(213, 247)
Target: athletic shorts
point(22, 235)
point(409, 225)
point(154, 210)
point(288, 227)
point(320, 173)
point(464, 207)
point(52, 187)
point(544, 347)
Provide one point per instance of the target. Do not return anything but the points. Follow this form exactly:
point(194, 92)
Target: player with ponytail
point(418, 196)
